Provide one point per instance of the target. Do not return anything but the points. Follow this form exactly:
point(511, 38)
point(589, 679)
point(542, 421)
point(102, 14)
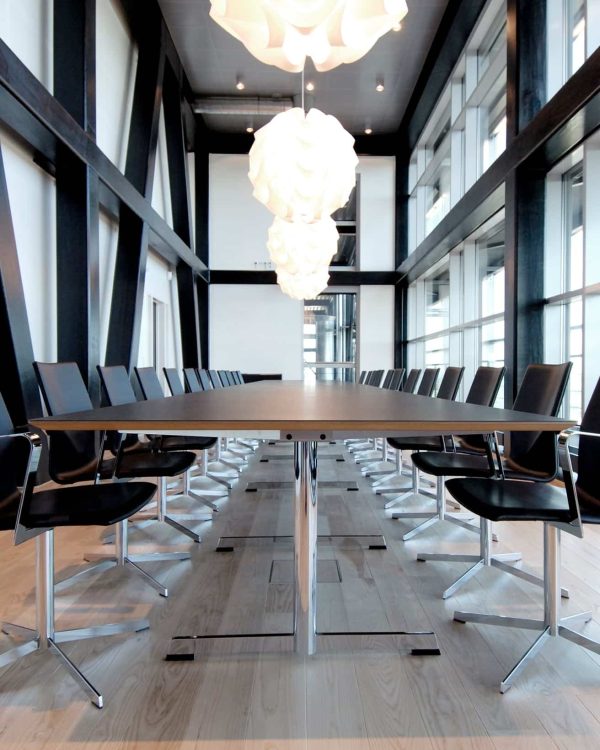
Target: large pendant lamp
point(302, 166)
point(285, 32)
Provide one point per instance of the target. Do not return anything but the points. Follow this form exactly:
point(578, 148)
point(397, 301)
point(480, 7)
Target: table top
point(294, 410)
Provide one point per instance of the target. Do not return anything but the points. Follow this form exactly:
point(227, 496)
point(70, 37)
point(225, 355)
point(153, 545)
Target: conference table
point(305, 415)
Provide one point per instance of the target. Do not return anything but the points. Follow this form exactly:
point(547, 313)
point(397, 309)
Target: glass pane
point(330, 336)
point(493, 130)
point(345, 219)
point(574, 233)
point(437, 203)
point(437, 300)
point(492, 44)
point(490, 261)
point(437, 352)
point(576, 31)
point(317, 374)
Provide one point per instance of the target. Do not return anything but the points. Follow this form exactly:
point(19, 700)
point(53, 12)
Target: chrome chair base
point(552, 625)
point(44, 637)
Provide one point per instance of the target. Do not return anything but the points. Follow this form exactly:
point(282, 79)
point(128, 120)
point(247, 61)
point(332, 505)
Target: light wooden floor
point(353, 694)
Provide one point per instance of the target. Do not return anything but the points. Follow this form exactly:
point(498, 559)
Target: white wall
point(116, 61)
point(161, 187)
point(238, 223)
point(32, 198)
point(160, 286)
point(377, 213)
point(376, 327)
point(26, 27)
point(255, 328)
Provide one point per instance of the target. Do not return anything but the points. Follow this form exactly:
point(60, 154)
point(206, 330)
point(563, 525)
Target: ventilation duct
point(242, 105)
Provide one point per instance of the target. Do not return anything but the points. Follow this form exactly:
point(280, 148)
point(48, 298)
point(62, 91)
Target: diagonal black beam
point(132, 246)
point(17, 379)
point(77, 212)
point(180, 204)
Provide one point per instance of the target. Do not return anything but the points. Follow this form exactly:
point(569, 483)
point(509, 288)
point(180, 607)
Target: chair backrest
point(6, 424)
point(388, 379)
point(205, 381)
point(240, 377)
point(397, 379)
point(72, 454)
point(588, 460)
point(15, 458)
point(362, 377)
point(224, 378)
point(235, 374)
point(149, 383)
point(450, 383)
point(215, 379)
point(192, 384)
point(485, 386)
point(411, 380)
point(174, 381)
point(428, 381)
point(376, 377)
point(541, 392)
point(231, 377)
point(116, 384)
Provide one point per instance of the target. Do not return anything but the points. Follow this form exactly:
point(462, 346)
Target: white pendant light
point(303, 166)
point(303, 285)
point(285, 32)
point(302, 254)
point(297, 247)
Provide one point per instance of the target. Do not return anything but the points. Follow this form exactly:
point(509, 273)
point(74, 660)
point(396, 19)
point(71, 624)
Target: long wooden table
point(304, 415)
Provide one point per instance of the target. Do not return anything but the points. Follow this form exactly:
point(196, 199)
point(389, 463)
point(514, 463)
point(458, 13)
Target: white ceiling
point(213, 59)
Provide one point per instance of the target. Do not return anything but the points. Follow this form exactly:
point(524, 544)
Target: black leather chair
point(560, 510)
point(483, 391)
point(151, 388)
point(411, 381)
point(205, 380)
point(215, 379)
point(375, 378)
point(192, 384)
point(117, 387)
point(74, 458)
point(448, 390)
point(527, 456)
point(36, 514)
point(397, 378)
point(387, 379)
point(362, 377)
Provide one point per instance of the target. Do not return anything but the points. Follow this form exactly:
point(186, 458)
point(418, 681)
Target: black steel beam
point(203, 318)
point(336, 278)
point(77, 200)
point(132, 246)
point(24, 87)
point(17, 379)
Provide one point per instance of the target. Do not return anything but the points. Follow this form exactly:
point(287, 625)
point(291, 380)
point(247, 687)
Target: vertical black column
point(201, 162)
point(77, 214)
point(180, 201)
point(132, 246)
point(401, 253)
point(17, 380)
point(524, 194)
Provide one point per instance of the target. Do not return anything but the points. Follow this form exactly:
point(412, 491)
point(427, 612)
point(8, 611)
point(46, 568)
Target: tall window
point(330, 338)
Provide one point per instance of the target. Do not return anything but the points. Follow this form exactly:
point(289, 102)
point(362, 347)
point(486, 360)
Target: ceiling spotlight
point(379, 84)
point(368, 131)
point(249, 129)
point(239, 84)
point(310, 86)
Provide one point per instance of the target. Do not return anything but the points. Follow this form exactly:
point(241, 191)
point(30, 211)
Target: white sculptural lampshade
point(303, 286)
point(302, 166)
point(285, 32)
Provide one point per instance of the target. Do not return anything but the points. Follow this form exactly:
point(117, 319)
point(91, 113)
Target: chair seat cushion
point(154, 464)
point(186, 443)
point(417, 443)
point(507, 500)
point(452, 464)
point(87, 505)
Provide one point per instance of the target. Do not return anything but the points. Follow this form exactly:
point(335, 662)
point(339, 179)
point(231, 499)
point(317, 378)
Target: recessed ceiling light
point(249, 129)
point(379, 84)
point(310, 86)
point(368, 131)
point(239, 84)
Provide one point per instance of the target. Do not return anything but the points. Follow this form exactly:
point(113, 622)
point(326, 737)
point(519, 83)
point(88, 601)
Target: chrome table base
point(304, 629)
